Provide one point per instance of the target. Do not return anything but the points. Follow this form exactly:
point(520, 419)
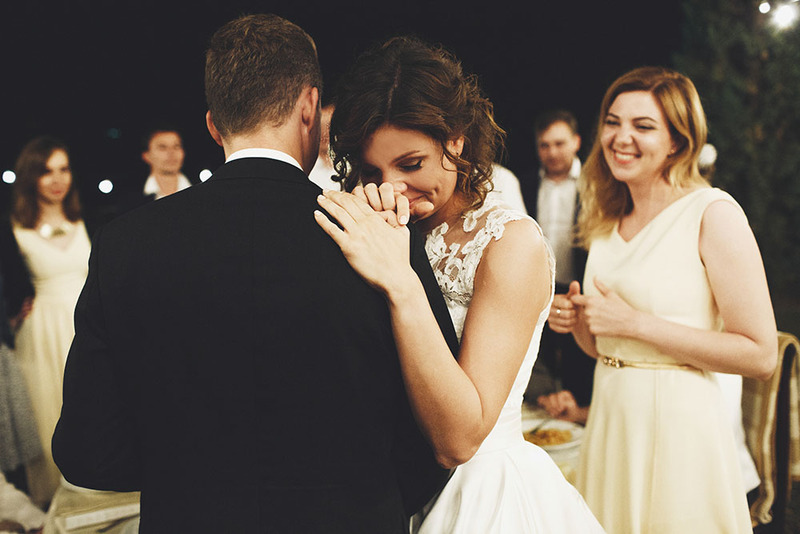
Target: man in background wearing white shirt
point(556, 206)
point(506, 188)
point(164, 154)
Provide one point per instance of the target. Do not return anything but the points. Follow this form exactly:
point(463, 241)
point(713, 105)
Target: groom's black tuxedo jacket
point(259, 391)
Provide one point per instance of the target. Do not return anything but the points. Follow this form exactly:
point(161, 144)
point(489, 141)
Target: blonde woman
point(674, 290)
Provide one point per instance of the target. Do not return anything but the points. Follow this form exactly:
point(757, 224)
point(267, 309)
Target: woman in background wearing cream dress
point(55, 245)
point(674, 289)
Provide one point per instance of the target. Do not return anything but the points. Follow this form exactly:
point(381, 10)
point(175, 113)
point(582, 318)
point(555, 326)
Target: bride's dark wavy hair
point(409, 84)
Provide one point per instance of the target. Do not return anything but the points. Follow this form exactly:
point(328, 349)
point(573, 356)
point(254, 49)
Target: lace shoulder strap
point(455, 252)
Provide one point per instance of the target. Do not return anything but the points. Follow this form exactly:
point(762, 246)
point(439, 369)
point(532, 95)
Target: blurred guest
point(675, 290)
point(164, 155)
point(17, 512)
point(19, 439)
point(506, 188)
point(18, 290)
point(47, 224)
point(561, 363)
point(323, 171)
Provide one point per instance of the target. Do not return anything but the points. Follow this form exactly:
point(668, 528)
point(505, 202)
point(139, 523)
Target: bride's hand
point(378, 251)
point(386, 200)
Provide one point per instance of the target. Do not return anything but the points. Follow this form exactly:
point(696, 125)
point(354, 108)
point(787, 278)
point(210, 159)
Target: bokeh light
point(785, 16)
point(105, 186)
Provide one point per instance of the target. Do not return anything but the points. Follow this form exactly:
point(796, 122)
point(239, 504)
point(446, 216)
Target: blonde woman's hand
point(563, 312)
point(607, 314)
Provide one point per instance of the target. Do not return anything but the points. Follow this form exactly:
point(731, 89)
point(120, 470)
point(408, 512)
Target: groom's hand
point(388, 202)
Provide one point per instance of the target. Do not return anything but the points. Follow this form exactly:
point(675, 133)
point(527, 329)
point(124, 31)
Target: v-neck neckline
point(656, 217)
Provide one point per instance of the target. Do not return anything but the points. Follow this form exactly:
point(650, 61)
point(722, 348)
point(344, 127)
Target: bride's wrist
point(404, 288)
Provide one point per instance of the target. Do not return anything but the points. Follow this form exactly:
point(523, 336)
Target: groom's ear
point(212, 129)
point(309, 107)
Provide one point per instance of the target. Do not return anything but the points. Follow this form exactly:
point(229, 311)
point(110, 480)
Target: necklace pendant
point(49, 231)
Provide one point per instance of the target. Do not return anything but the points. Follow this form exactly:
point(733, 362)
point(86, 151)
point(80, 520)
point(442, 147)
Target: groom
point(261, 391)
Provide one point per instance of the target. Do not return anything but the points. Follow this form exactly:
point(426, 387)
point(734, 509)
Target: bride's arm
point(456, 403)
point(459, 405)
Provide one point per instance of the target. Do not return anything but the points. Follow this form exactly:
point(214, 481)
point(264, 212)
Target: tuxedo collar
point(258, 167)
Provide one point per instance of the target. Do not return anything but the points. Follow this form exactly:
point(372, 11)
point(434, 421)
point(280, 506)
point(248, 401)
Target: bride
point(413, 136)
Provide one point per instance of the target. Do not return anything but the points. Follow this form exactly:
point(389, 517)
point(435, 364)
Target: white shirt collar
point(574, 171)
point(151, 185)
point(264, 153)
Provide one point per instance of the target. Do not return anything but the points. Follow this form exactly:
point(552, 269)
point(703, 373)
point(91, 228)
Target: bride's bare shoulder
point(518, 263)
point(521, 242)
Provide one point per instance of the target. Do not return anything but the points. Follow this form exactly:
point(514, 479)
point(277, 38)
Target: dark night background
point(99, 74)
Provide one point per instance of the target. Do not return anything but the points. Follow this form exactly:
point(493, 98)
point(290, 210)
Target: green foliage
point(748, 76)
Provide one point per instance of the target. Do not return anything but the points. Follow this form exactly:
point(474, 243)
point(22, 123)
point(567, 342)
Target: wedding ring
point(558, 311)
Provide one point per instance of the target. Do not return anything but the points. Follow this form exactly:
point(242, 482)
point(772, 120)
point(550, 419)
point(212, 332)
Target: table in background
point(101, 512)
point(565, 459)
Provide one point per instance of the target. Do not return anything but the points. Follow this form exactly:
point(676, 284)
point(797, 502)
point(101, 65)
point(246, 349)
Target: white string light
point(785, 16)
point(105, 186)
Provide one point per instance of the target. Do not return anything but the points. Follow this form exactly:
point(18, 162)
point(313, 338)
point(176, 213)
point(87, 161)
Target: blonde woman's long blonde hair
point(604, 200)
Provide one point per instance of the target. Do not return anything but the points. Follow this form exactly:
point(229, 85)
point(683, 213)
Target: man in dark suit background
point(261, 391)
point(554, 204)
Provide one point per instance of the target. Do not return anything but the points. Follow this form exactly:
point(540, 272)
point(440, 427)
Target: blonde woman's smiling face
point(635, 137)
point(416, 166)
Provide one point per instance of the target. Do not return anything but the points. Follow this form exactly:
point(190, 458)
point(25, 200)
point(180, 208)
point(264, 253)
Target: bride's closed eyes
point(373, 174)
point(411, 167)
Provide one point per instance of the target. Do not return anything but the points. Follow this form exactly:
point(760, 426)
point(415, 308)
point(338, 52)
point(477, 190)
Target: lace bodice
point(454, 253)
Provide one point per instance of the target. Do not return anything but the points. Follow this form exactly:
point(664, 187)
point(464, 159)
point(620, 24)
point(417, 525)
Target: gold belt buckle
point(613, 362)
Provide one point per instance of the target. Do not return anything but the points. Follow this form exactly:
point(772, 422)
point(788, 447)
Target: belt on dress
point(619, 364)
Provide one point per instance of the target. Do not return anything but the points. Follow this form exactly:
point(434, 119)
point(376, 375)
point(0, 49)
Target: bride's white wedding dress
point(510, 486)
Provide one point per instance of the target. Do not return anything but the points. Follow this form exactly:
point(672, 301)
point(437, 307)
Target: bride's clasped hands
point(372, 233)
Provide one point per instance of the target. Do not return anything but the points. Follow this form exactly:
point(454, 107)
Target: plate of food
point(553, 434)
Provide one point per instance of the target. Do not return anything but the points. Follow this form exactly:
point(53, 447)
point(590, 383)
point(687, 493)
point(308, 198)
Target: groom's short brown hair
point(256, 67)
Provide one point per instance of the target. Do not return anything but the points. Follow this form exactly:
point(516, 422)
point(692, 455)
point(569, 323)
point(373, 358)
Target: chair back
point(772, 426)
